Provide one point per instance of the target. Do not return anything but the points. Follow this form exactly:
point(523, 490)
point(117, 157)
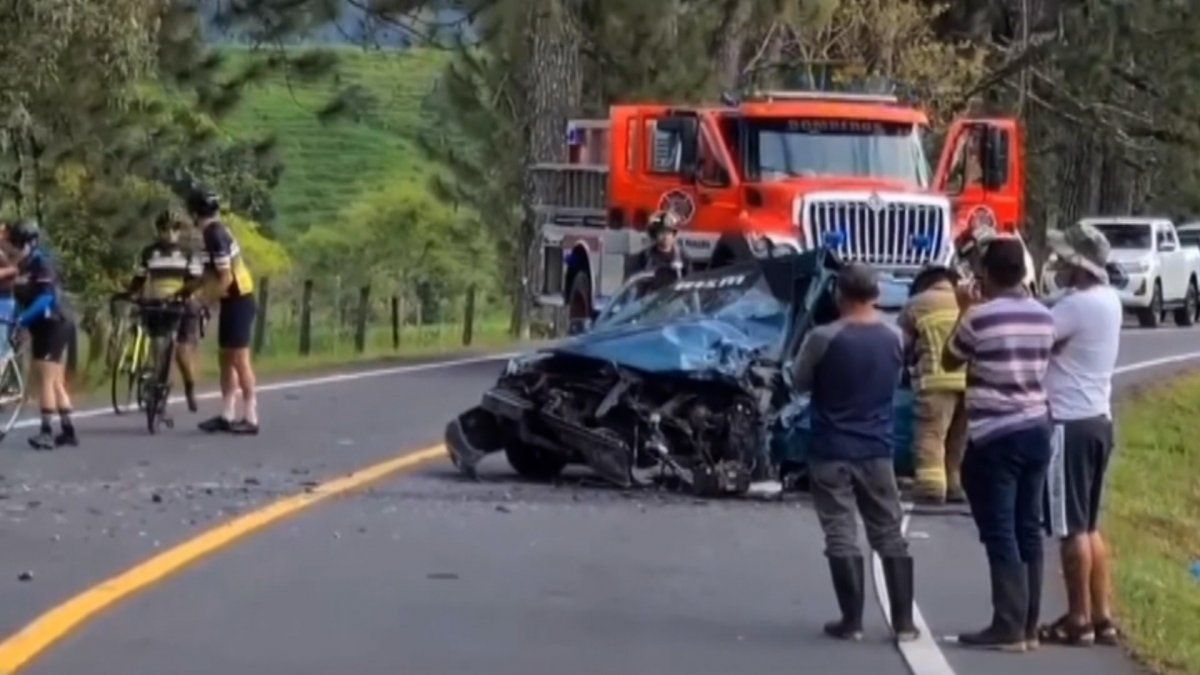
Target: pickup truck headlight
point(1140, 267)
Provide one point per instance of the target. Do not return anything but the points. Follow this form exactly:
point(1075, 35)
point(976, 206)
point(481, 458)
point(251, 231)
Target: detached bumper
point(472, 436)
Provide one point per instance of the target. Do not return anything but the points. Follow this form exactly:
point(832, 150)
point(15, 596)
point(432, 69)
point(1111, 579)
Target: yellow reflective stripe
point(935, 328)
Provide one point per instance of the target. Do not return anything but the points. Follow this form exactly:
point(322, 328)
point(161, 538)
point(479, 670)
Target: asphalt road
point(427, 573)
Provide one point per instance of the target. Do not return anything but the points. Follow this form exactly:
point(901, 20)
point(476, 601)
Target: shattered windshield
point(742, 300)
point(790, 148)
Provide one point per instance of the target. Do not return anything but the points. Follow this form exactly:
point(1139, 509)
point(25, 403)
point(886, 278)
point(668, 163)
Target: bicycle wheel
point(125, 376)
point(12, 393)
point(158, 385)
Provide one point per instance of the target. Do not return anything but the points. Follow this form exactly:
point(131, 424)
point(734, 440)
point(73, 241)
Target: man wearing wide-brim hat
point(1087, 323)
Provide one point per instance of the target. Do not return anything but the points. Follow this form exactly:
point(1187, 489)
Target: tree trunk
point(552, 80)
point(731, 42)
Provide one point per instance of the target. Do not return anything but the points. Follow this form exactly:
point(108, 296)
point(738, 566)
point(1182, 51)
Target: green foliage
point(400, 237)
point(327, 165)
point(264, 256)
point(1154, 523)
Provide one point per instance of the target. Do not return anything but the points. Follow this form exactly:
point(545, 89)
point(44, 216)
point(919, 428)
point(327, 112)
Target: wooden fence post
point(306, 319)
point(395, 322)
point(73, 352)
point(260, 327)
point(469, 317)
point(360, 330)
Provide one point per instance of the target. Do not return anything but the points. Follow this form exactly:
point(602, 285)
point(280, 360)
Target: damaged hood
point(696, 347)
point(710, 325)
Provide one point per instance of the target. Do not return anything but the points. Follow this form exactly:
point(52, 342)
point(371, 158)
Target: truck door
point(669, 148)
point(717, 196)
point(1171, 258)
point(982, 172)
point(689, 170)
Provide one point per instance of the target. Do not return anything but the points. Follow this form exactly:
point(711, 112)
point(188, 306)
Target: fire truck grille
point(887, 234)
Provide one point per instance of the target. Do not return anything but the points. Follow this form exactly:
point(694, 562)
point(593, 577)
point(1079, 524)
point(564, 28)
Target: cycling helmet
point(167, 220)
point(203, 203)
point(24, 232)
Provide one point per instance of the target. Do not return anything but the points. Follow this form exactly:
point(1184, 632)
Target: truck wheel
point(533, 463)
point(1151, 316)
point(1186, 316)
point(579, 303)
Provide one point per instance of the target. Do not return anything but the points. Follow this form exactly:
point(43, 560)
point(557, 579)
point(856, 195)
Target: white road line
point(288, 385)
point(923, 656)
point(1155, 363)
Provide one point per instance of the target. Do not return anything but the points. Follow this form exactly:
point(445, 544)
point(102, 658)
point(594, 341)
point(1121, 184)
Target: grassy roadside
point(1153, 520)
point(92, 388)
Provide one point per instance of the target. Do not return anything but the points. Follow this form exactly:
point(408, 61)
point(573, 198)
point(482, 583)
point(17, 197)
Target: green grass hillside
point(327, 165)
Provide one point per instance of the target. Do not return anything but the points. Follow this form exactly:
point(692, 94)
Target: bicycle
point(157, 387)
point(12, 380)
point(129, 367)
point(145, 363)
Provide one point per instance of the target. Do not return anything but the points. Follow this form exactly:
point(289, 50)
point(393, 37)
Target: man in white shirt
point(1087, 326)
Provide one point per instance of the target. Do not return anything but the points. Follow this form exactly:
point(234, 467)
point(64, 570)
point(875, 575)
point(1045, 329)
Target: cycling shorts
point(160, 322)
point(49, 339)
point(236, 322)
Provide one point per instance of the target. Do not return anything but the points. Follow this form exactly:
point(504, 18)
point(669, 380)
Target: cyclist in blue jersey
point(47, 317)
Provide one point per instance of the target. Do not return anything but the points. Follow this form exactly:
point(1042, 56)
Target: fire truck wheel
point(579, 303)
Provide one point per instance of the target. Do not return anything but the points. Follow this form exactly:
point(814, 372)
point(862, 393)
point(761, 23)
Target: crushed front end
point(631, 428)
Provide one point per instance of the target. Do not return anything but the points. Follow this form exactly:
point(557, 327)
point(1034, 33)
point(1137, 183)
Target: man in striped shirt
point(1004, 338)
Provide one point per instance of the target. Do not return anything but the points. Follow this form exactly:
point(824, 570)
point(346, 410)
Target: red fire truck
point(790, 169)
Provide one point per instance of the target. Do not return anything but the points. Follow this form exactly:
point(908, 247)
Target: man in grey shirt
point(852, 367)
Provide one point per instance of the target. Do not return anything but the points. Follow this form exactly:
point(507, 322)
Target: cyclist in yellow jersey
point(227, 273)
point(168, 270)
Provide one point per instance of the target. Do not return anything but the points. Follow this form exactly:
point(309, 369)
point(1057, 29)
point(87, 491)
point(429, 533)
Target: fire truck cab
point(784, 170)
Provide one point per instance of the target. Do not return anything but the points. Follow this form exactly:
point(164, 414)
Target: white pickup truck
point(1159, 273)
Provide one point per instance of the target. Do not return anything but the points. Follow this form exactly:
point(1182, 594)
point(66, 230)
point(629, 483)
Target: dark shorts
point(236, 322)
point(49, 339)
point(185, 327)
point(1075, 480)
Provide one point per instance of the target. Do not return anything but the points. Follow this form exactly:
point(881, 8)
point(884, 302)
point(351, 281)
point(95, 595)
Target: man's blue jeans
point(1005, 479)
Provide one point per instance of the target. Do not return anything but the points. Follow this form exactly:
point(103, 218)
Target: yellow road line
point(32, 640)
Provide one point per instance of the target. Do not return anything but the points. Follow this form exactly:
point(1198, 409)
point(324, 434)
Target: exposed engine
point(632, 429)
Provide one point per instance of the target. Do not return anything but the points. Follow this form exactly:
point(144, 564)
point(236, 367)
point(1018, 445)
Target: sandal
point(1063, 632)
point(1107, 633)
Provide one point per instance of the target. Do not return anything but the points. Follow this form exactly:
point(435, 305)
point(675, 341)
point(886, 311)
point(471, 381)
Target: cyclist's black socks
point(64, 418)
point(47, 418)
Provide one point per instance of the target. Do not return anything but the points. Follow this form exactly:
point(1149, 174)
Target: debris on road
point(503, 509)
point(25, 576)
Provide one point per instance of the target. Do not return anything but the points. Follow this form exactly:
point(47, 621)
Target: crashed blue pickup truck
point(680, 383)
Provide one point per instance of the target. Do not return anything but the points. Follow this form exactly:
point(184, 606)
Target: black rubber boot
point(898, 574)
point(847, 576)
point(1010, 603)
point(1033, 576)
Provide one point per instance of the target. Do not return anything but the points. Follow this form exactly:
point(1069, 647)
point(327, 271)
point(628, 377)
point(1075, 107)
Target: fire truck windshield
point(780, 149)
